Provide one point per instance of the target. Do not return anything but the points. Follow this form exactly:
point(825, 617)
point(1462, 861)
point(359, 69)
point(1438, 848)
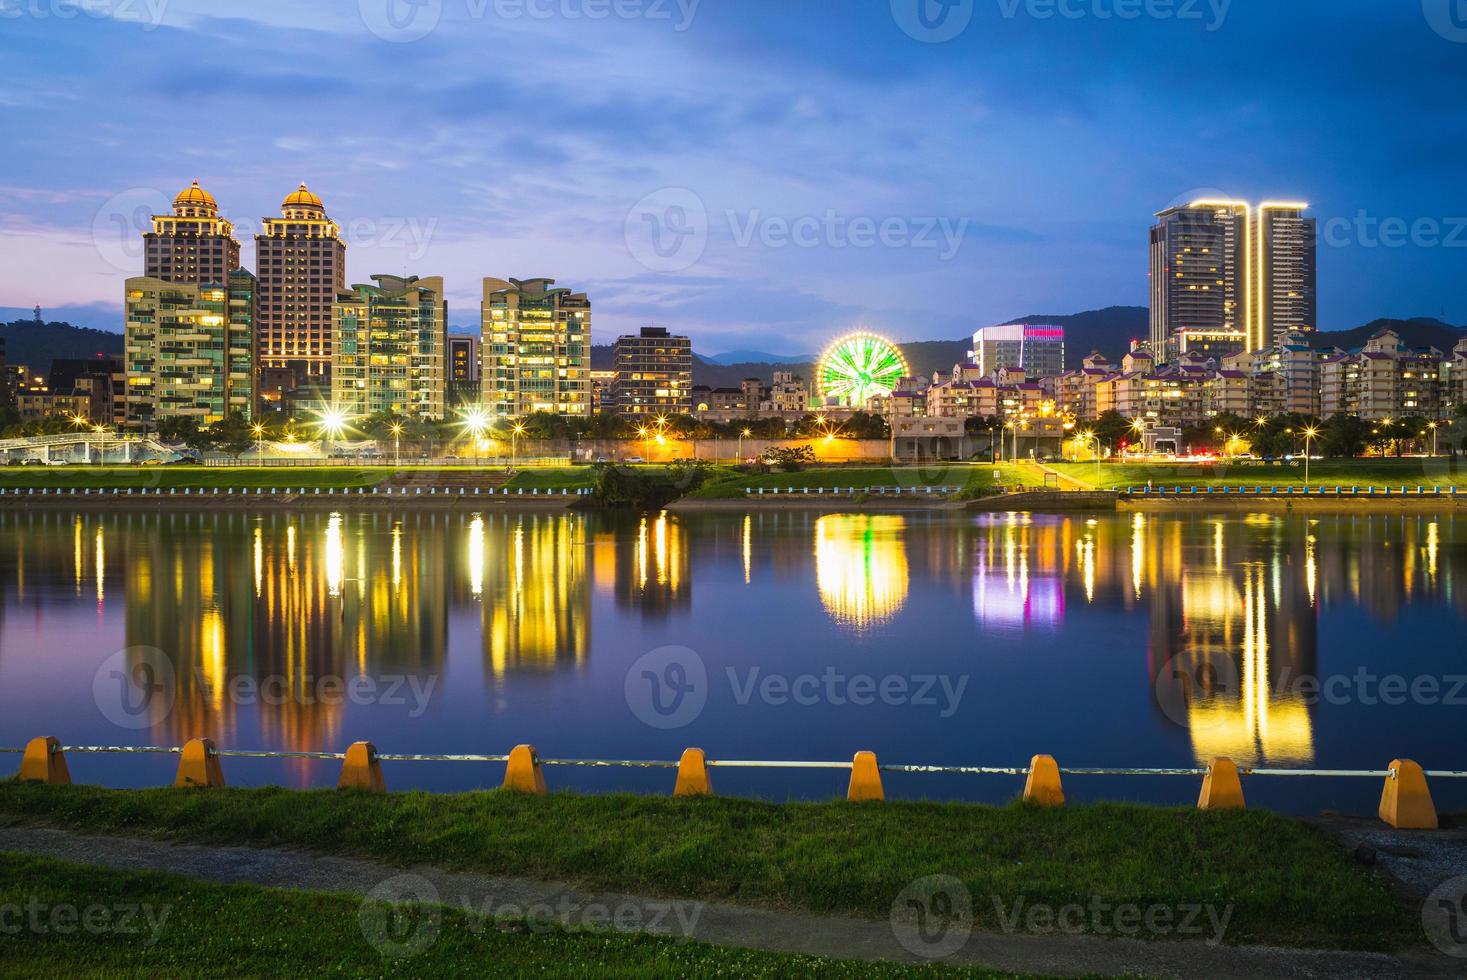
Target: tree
point(232, 434)
point(1344, 437)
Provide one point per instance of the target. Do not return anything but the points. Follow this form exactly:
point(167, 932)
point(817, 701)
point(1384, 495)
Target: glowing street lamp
point(1310, 433)
point(259, 430)
point(743, 433)
point(514, 442)
point(332, 423)
point(1433, 426)
point(476, 422)
point(396, 430)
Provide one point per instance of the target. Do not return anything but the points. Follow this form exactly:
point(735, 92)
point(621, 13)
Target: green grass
point(1326, 473)
point(187, 928)
point(553, 478)
point(866, 478)
point(1287, 883)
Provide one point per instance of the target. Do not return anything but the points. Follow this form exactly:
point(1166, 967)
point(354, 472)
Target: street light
point(259, 430)
point(514, 443)
point(743, 433)
point(476, 422)
point(396, 429)
point(332, 422)
point(1310, 433)
point(1433, 426)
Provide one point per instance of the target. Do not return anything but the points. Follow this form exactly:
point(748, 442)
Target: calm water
point(929, 638)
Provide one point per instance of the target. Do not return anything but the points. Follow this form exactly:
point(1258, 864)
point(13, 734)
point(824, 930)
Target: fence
point(1405, 799)
point(292, 492)
point(1292, 491)
point(817, 491)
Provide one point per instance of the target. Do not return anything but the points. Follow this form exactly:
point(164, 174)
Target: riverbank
point(832, 858)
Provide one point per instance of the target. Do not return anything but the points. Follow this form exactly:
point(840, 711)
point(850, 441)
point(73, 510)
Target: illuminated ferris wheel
point(857, 368)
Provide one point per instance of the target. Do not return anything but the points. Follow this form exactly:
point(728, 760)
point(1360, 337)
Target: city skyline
point(558, 184)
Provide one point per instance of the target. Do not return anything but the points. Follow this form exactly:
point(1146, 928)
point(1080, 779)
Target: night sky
point(761, 174)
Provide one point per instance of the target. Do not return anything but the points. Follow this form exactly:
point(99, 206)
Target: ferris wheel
point(857, 368)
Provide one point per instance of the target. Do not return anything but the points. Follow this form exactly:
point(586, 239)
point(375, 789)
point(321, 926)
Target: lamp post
point(259, 430)
point(1310, 432)
point(1433, 426)
point(742, 434)
point(514, 443)
point(396, 429)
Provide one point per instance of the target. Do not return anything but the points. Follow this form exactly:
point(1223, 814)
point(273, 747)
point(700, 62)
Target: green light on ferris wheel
point(858, 368)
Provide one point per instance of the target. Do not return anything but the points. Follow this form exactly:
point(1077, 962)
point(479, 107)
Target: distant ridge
point(37, 345)
point(1420, 331)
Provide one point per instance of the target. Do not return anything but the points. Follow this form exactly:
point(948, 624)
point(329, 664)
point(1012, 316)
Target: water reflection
point(861, 568)
point(543, 611)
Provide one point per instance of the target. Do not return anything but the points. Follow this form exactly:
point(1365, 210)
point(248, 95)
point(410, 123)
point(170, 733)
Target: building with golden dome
point(301, 263)
point(193, 244)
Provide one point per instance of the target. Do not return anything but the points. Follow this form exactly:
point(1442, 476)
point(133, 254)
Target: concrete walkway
point(709, 922)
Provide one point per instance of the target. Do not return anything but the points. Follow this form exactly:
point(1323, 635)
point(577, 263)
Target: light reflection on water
point(526, 624)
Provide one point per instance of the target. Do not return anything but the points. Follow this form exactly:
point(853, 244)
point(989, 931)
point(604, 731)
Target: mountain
point(758, 357)
point(1420, 331)
point(1109, 331)
point(36, 345)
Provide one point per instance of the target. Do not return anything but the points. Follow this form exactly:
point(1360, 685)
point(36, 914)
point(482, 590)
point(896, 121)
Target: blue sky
point(759, 174)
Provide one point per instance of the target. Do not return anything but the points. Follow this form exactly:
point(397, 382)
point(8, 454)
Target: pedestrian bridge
point(84, 447)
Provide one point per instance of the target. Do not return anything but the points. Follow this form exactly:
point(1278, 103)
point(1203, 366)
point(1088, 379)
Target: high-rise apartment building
point(1228, 277)
point(536, 348)
point(654, 374)
point(389, 352)
point(463, 370)
point(301, 262)
point(1036, 349)
point(193, 244)
point(188, 349)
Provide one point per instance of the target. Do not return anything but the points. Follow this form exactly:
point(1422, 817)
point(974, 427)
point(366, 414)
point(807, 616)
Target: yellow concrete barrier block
point(865, 779)
point(1405, 803)
point(199, 765)
point(523, 774)
point(1043, 785)
point(362, 769)
point(692, 775)
point(44, 762)
point(1221, 787)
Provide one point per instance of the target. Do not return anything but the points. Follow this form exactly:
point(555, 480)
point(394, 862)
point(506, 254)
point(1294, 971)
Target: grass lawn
point(181, 927)
point(728, 483)
point(252, 477)
point(1286, 883)
point(1322, 473)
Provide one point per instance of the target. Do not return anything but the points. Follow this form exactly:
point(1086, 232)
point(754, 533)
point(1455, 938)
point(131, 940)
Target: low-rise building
point(1382, 380)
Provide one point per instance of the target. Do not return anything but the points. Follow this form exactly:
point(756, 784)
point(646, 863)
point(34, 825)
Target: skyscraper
point(193, 244)
point(536, 348)
point(1228, 277)
point(654, 374)
point(189, 349)
point(1037, 349)
point(301, 262)
point(390, 348)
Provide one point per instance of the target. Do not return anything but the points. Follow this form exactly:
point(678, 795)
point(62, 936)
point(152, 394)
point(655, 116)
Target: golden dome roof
point(302, 198)
point(194, 196)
